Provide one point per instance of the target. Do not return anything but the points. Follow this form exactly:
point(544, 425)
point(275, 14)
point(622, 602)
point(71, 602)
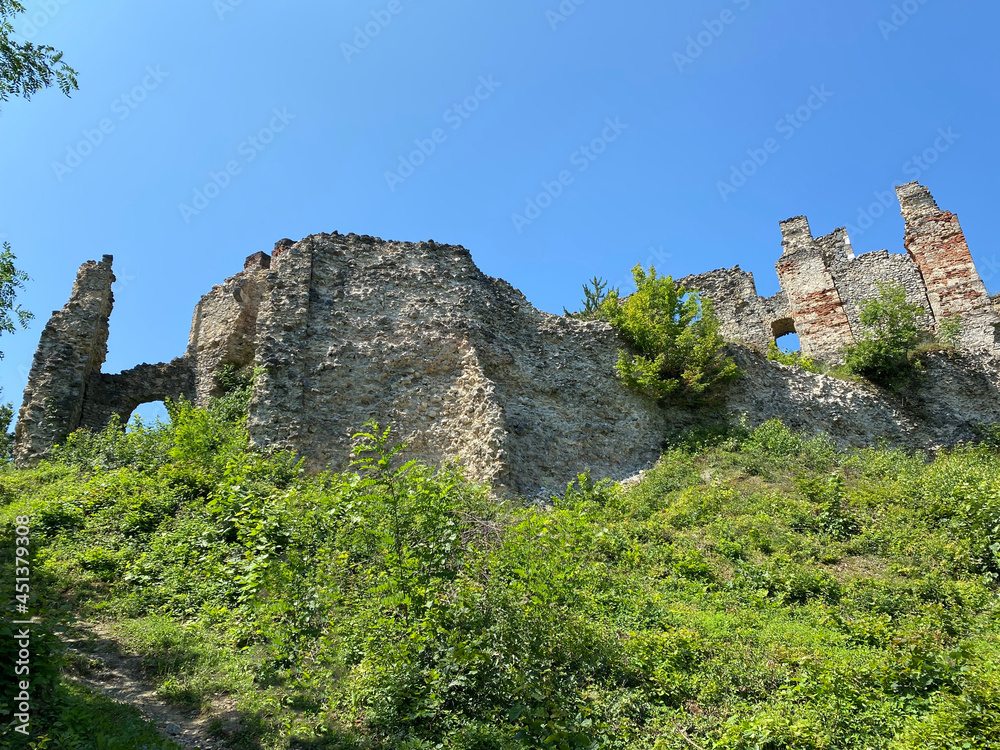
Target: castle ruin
point(823, 284)
point(348, 328)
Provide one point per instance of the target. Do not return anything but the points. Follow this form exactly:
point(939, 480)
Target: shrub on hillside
point(676, 334)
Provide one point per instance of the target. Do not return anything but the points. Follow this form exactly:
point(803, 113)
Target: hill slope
point(754, 590)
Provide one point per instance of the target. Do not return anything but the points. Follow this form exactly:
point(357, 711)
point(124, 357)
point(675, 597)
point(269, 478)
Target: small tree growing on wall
point(592, 300)
point(681, 352)
point(884, 353)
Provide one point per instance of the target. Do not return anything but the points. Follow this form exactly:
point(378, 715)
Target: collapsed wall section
point(73, 347)
point(743, 315)
point(67, 390)
point(118, 394)
point(224, 326)
point(859, 279)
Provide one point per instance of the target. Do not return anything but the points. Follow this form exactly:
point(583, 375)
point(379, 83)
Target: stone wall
point(461, 364)
point(935, 241)
point(67, 389)
point(813, 298)
point(343, 329)
point(224, 326)
point(743, 315)
point(824, 284)
point(73, 347)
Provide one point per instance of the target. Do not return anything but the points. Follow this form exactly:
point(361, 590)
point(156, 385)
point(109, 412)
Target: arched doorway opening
point(150, 413)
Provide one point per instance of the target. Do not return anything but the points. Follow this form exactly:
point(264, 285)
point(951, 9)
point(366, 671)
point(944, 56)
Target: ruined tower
point(813, 298)
point(936, 243)
point(823, 284)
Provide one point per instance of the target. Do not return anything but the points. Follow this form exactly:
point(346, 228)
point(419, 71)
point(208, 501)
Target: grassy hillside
point(756, 590)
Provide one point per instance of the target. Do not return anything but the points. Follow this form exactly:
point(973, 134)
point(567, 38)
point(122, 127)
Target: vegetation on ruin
point(593, 299)
point(891, 351)
point(757, 589)
point(676, 350)
point(12, 317)
point(795, 359)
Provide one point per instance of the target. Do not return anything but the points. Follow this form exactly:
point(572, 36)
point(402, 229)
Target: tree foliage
point(12, 281)
point(593, 299)
point(26, 68)
point(12, 315)
point(892, 333)
point(675, 331)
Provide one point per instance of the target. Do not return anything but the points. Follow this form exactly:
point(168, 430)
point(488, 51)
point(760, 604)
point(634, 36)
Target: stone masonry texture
point(823, 284)
point(346, 328)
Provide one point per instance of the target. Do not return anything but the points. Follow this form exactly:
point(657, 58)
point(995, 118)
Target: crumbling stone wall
point(824, 284)
point(224, 326)
point(120, 393)
point(73, 346)
point(67, 390)
point(813, 298)
point(343, 329)
point(461, 364)
point(858, 278)
point(935, 241)
point(742, 314)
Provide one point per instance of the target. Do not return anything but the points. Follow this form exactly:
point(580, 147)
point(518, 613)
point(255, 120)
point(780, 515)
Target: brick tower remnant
point(936, 243)
point(824, 285)
point(813, 298)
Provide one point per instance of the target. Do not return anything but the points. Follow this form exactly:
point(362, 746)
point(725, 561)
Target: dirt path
point(99, 662)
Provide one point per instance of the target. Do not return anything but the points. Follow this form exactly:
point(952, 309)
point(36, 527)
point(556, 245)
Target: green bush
point(892, 333)
point(676, 334)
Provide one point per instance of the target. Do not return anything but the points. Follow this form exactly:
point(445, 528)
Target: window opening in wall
point(789, 342)
point(785, 335)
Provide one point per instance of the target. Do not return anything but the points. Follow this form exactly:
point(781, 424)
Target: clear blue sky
point(221, 70)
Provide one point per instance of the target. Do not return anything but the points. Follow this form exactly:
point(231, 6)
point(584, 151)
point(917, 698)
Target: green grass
point(756, 591)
